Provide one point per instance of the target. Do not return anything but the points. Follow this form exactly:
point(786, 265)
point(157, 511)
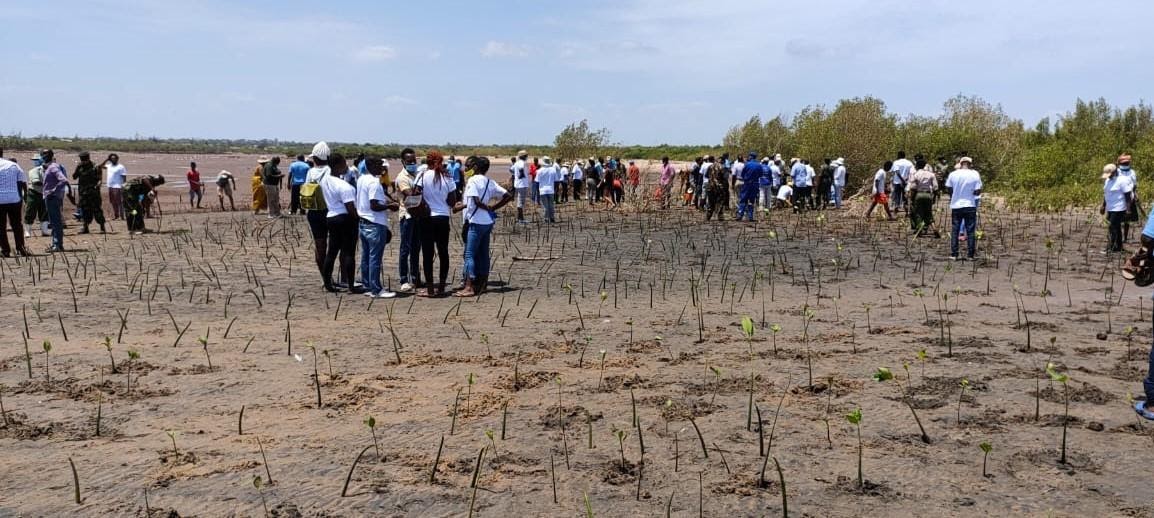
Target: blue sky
point(517, 71)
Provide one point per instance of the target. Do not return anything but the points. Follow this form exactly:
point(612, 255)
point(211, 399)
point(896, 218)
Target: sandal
point(1145, 413)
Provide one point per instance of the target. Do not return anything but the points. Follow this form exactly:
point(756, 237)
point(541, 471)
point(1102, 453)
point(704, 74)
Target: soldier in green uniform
point(34, 208)
point(87, 177)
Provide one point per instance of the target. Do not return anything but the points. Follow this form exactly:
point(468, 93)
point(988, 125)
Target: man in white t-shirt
point(115, 178)
point(878, 192)
point(839, 173)
point(563, 183)
point(1118, 195)
point(964, 186)
point(13, 184)
point(521, 182)
point(480, 211)
point(785, 195)
point(902, 168)
point(546, 177)
point(372, 205)
point(341, 222)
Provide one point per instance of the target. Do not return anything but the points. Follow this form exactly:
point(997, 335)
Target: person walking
point(271, 178)
point(341, 225)
point(634, 175)
point(436, 188)
point(901, 169)
point(481, 213)
point(922, 186)
point(839, 173)
point(878, 191)
point(298, 172)
point(225, 185)
point(88, 177)
point(546, 179)
point(195, 186)
point(751, 172)
point(964, 185)
point(115, 176)
point(1116, 204)
point(372, 204)
point(314, 205)
point(13, 189)
point(408, 262)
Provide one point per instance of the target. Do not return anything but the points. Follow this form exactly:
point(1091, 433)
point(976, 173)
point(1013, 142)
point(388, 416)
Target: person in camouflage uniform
point(716, 189)
point(136, 191)
point(88, 177)
point(34, 208)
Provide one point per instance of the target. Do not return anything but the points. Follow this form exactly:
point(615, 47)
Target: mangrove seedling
point(75, 481)
point(854, 418)
point(1129, 337)
point(258, 484)
point(1064, 379)
point(986, 449)
point(172, 436)
point(882, 375)
point(47, 346)
point(371, 422)
point(922, 355)
point(747, 328)
point(604, 295)
point(107, 343)
point(776, 329)
point(488, 350)
point(621, 435)
point(316, 375)
point(630, 324)
point(469, 390)
point(602, 375)
point(716, 382)
point(203, 341)
point(132, 357)
point(964, 383)
point(349, 477)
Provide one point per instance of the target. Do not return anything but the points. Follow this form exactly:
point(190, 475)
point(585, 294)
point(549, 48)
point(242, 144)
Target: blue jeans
point(477, 251)
point(372, 252)
point(536, 191)
point(837, 195)
point(55, 205)
point(969, 218)
point(407, 263)
point(1148, 383)
point(747, 203)
point(546, 200)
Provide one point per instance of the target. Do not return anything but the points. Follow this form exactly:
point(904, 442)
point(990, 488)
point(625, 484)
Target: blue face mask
point(1125, 167)
point(412, 168)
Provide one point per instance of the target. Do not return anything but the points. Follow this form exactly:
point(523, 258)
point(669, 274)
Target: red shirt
point(634, 175)
point(193, 180)
point(532, 171)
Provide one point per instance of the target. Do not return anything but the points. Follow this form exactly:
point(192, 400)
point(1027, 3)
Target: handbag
point(415, 202)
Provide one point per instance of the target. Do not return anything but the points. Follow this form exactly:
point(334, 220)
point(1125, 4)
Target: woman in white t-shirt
point(436, 187)
point(480, 210)
point(1118, 191)
point(341, 221)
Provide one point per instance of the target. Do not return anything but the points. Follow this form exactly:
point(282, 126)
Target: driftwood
point(519, 258)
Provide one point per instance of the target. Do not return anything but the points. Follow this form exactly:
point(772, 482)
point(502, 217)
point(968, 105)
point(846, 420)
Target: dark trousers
point(295, 199)
point(922, 217)
point(407, 262)
point(966, 218)
point(1148, 383)
point(435, 233)
point(10, 214)
point(1115, 220)
point(342, 242)
point(34, 208)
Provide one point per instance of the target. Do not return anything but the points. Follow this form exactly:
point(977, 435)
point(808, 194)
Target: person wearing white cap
point(546, 178)
point(964, 185)
point(838, 181)
point(313, 202)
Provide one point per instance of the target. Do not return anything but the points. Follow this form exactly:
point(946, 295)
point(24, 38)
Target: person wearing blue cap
point(750, 176)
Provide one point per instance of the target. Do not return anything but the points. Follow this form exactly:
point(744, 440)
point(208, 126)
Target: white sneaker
point(406, 288)
point(370, 295)
point(385, 294)
point(27, 234)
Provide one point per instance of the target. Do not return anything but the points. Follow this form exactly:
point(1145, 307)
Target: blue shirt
point(297, 172)
point(1148, 230)
point(455, 171)
point(800, 175)
point(752, 173)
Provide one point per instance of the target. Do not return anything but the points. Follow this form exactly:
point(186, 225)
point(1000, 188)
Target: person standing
point(751, 172)
point(480, 211)
point(115, 177)
point(634, 174)
point(195, 186)
point(534, 186)
point(546, 177)
point(878, 192)
point(13, 189)
point(225, 185)
point(715, 189)
point(408, 263)
point(922, 186)
point(315, 213)
point(698, 179)
point(667, 175)
point(259, 199)
point(271, 177)
point(341, 224)
point(436, 188)
point(1124, 169)
point(1118, 194)
point(578, 174)
point(454, 166)
point(825, 184)
point(521, 183)
point(88, 177)
point(593, 182)
point(562, 185)
point(901, 169)
point(34, 197)
point(964, 185)
point(298, 172)
point(372, 205)
point(55, 190)
point(838, 181)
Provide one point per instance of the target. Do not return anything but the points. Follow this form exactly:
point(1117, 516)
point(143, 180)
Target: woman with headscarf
point(259, 199)
point(438, 190)
point(138, 194)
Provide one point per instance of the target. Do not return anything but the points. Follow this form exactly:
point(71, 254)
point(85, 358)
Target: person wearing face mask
point(408, 264)
point(1134, 212)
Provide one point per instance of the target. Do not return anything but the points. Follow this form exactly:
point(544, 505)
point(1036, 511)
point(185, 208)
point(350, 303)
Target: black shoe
point(356, 290)
point(332, 289)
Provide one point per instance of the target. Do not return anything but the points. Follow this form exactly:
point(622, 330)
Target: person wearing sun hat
point(259, 197)
point(838, 181)
point(1136, 212)
point(547, 176)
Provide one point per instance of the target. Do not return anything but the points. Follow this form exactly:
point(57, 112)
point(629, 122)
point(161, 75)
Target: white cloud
point(499, 49)
point(375, 53)
point(398, 100)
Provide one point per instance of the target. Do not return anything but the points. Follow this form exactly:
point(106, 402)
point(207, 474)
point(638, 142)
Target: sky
point(518, 71)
